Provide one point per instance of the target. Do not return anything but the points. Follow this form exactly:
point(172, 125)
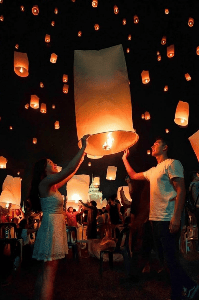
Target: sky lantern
point(111, 173)
point(116, 10)
point(65, 88)
point(47, 38)
point(147, 115)
point(187, 77)
point(53, 58)
point(34, 140)
point(17, 46)
point(56, 10)
point(166, 88)
point(166, 11)
point(1, 1)
point(11, 128)
point(148, 152)
point(53, 23)
point(79, 33)
point(159, 57)
point(65, 78)
point(191, 22)
point(142, 116)
point(158, 52)
point(197, 50)
point(170, 51)
point(103, 101)
point(35, 10)
point(53, 106)
point(194, 140)
point(163, 40)
point(129, 37)
point(43, 108)
point(135, 19)
point(1, 18)
point(128, 50)
point(96, 181)
point(124, 21)
point(182, 114)
point(93, 156)
point(22, 8)
point(34, 101)
point(96, 27)
point(21, 64)
point(145, 77)
point(57, 125)
point(89, 164)
point(94, 3)
point(3, 162)
point(11, 191)
point(78, 188)
point(27, 106)
point(41, 85)
point(167, 130)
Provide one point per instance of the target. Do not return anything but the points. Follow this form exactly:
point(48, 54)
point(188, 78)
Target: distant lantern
point(158, 52)
point(3, 162)
point(96, 181)
point(96, 26)
point(187, 77)
point(194, 140)
point(124, 21)
point(22, 8)
point(163, 40)
point(79, 33)
point(148, 152)
point(111, 173)
point(166, 11)
point(166, 88)
point(65, 88)
point(18, 173)
point(47, 38)
point(21, 64)
point(27, 106)
point(170, 51)
point(34, 140)
point(145, 77)
point(89, 164)
point(53, 23)
point(159, 57)
point(56, 10)
point(1, 18)
point(57, 125)
point(43, 108)
point(94, 3)
point(35, 10)
point(53, 58)
point(116, 10)
point(182, 114)
point(53, 106)
point(191, 22)
point(135, 19)
point(34, 101)
point(147, 115)
point(129, 37)
point(167, 130)
point(17, 46)
point(142, 116)
point(197, 50)
point(65, 78)
point(110, 128)
point(41, 85)
point(11, 128)
point(127, 50)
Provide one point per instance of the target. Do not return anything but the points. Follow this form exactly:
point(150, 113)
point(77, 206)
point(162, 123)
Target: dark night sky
point(60, 145)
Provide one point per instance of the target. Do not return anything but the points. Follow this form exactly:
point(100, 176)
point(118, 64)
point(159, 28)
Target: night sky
point(28, 31)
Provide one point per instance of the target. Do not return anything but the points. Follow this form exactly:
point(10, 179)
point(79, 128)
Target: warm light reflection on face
point(158, 148)
point(51, 167)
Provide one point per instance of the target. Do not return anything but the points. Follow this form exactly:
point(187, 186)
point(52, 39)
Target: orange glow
point(170, 51)
point(116, 10)
point(145, 77)
point(127, 50)
point(111, 173)
point(89, 164)
point(47, 38)
point(191, 22)
point(41, 85)
point(135, 19)
point(53, 23)
point(65, 88)
point(159, 57)
point(129, 37)
point(96, 26)
point(11, 128)
point(22, 8)
point(27, 106)
point(35, 10)
point(43, 108)
point(65, 78)
point(34, 140)
point(142, 116)
point(1, 18)
point(187, 77)
point(148, 152)
point(3, 162)
point(53, 106)
point(56, 10)
point(197, 50)
point(124, 21)
point(94, 3)
point(79, 33)
point(147, 115)
point(166, 11)
point(53, 58)
point(163, 40)
point(57, 125)
point(109, 142)
point(166, 88)
point(167, 130)
point(21, 64)
point(182, 114)
point(17, 46)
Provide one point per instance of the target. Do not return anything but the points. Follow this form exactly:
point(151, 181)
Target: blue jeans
point(167, 248)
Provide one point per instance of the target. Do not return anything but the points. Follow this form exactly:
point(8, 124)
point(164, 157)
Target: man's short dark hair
point(166, 141)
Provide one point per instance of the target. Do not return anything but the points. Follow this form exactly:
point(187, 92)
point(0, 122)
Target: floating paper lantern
point(127, 50)
point(27, 106)
point(194, 140)
point(3, 162)
point(89, 164)
point(158, 52)
point(96, 27)
point(142, 116)
point(53, 106)
point(18, 173)
point(111, 173)
point(163, 40)
point(41, 85)
point(116, 10)
point(1, 18)
point(166, 88)
point(167, 130)
point(136, 19)
point(170, 51)
point(53, 23)
point(35, 10)
point(47, 38)
point(96, 181)
point(56, 10)
point(17, 46)
point(197, 50)
point(43, 108)
point(102, 100)
point(94, 3)
point(78, 188)
point(11, 128)
point(11, 191)
point(148, 152)
point(145, 77)
point(34, 140)
point(53, 58)
point(79, 33)
point(65, 78)
point(147, 115)
point(191, 22)
point(159, 57)
point(166, 11)
point(129, 37)
point(22, 8)
point(124, 21)
point(65, 88)
point(182, 114)
point(34, 101)
point(187, 77)
point(57, 125)
point(21, 64)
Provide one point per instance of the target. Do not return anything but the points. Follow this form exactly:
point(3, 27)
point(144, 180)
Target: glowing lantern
point(170, 51)
point(142, 116)
point(56, 10)
point(159, 57)
point(111, 173)
point(3, 162)
point(34, 101)
point(53, 58)
point(191, 22)
point(187, 77)
point(78, 188)
point(116, 10)
point(65, 88)
point(47, 38)
point(148, 152)
point(163, 40)
point(65, 78)
point(197, 50)
point(27, 106)
point(96, 27)
point(127, 50)
point(79, 33)
point(34, 140)
point(102, 100)
point(93, 156)
point(182, 114)
point(96, 181)
point(43, 108)
point(57, 125)
point(17, 46)
point(1, 1)
point(1, 18)
point(124, 21)
point(145, 77)
point(10, 127)
point(18, 173)
point(35, 10)
point(166, 88)
point(194, 140)
point(166, 11)
point(94, 3)
point(53, 106)
point(22, 8)
point(21, 64)
point(136, 19)
point(158, 52)
point(41, 85)
point(167, 130)
point(53, 23)
point(89, 163)
point(129, 37)
point(147, 115)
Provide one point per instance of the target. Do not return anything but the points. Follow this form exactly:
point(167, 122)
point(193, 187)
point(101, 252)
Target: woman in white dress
point(51, 241)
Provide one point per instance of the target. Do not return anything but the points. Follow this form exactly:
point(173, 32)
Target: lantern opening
point(108, 144)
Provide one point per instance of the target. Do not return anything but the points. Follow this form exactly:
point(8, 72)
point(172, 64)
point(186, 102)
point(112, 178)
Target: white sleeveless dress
point(51, 240)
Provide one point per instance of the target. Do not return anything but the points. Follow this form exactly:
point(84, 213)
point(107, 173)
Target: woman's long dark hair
point(38, 174)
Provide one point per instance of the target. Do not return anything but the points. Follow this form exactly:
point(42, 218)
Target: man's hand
point(126, 154)
point(174, 224)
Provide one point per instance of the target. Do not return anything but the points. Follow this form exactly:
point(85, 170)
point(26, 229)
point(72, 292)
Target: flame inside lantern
point(109, 142)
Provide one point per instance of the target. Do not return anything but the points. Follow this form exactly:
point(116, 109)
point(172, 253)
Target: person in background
point(100, 223)
point(194, 188)
point(72, 216)
point(91, 219)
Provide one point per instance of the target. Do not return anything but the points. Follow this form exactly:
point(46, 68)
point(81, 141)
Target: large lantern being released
point(111, 173)
point(34, 101)
point(170, 51)
point(21, 64)
point(182, 114)
point(194, 140)
point(78, 188)
point(103, 101)
point(3, 162)
point(145, 77)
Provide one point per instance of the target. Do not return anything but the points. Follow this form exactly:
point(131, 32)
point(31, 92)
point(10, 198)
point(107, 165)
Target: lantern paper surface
point(77, 188)
point(93, 156)
point(3, 162)
point(194, 140)
point(182, 114)
point(11, 190)
point(111, 173)
point(34, 101)
point(96, 181)
point(126, 192)
point(21, 64)
point(103, 100)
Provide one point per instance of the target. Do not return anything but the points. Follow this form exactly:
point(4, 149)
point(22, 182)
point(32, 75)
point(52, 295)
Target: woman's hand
point(84, 140)
point(126, 154)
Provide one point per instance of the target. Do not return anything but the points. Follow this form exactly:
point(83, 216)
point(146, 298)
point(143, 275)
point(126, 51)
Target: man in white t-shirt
point(167, 197)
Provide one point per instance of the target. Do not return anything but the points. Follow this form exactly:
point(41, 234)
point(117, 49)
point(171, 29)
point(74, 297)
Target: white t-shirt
point(162, 192)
